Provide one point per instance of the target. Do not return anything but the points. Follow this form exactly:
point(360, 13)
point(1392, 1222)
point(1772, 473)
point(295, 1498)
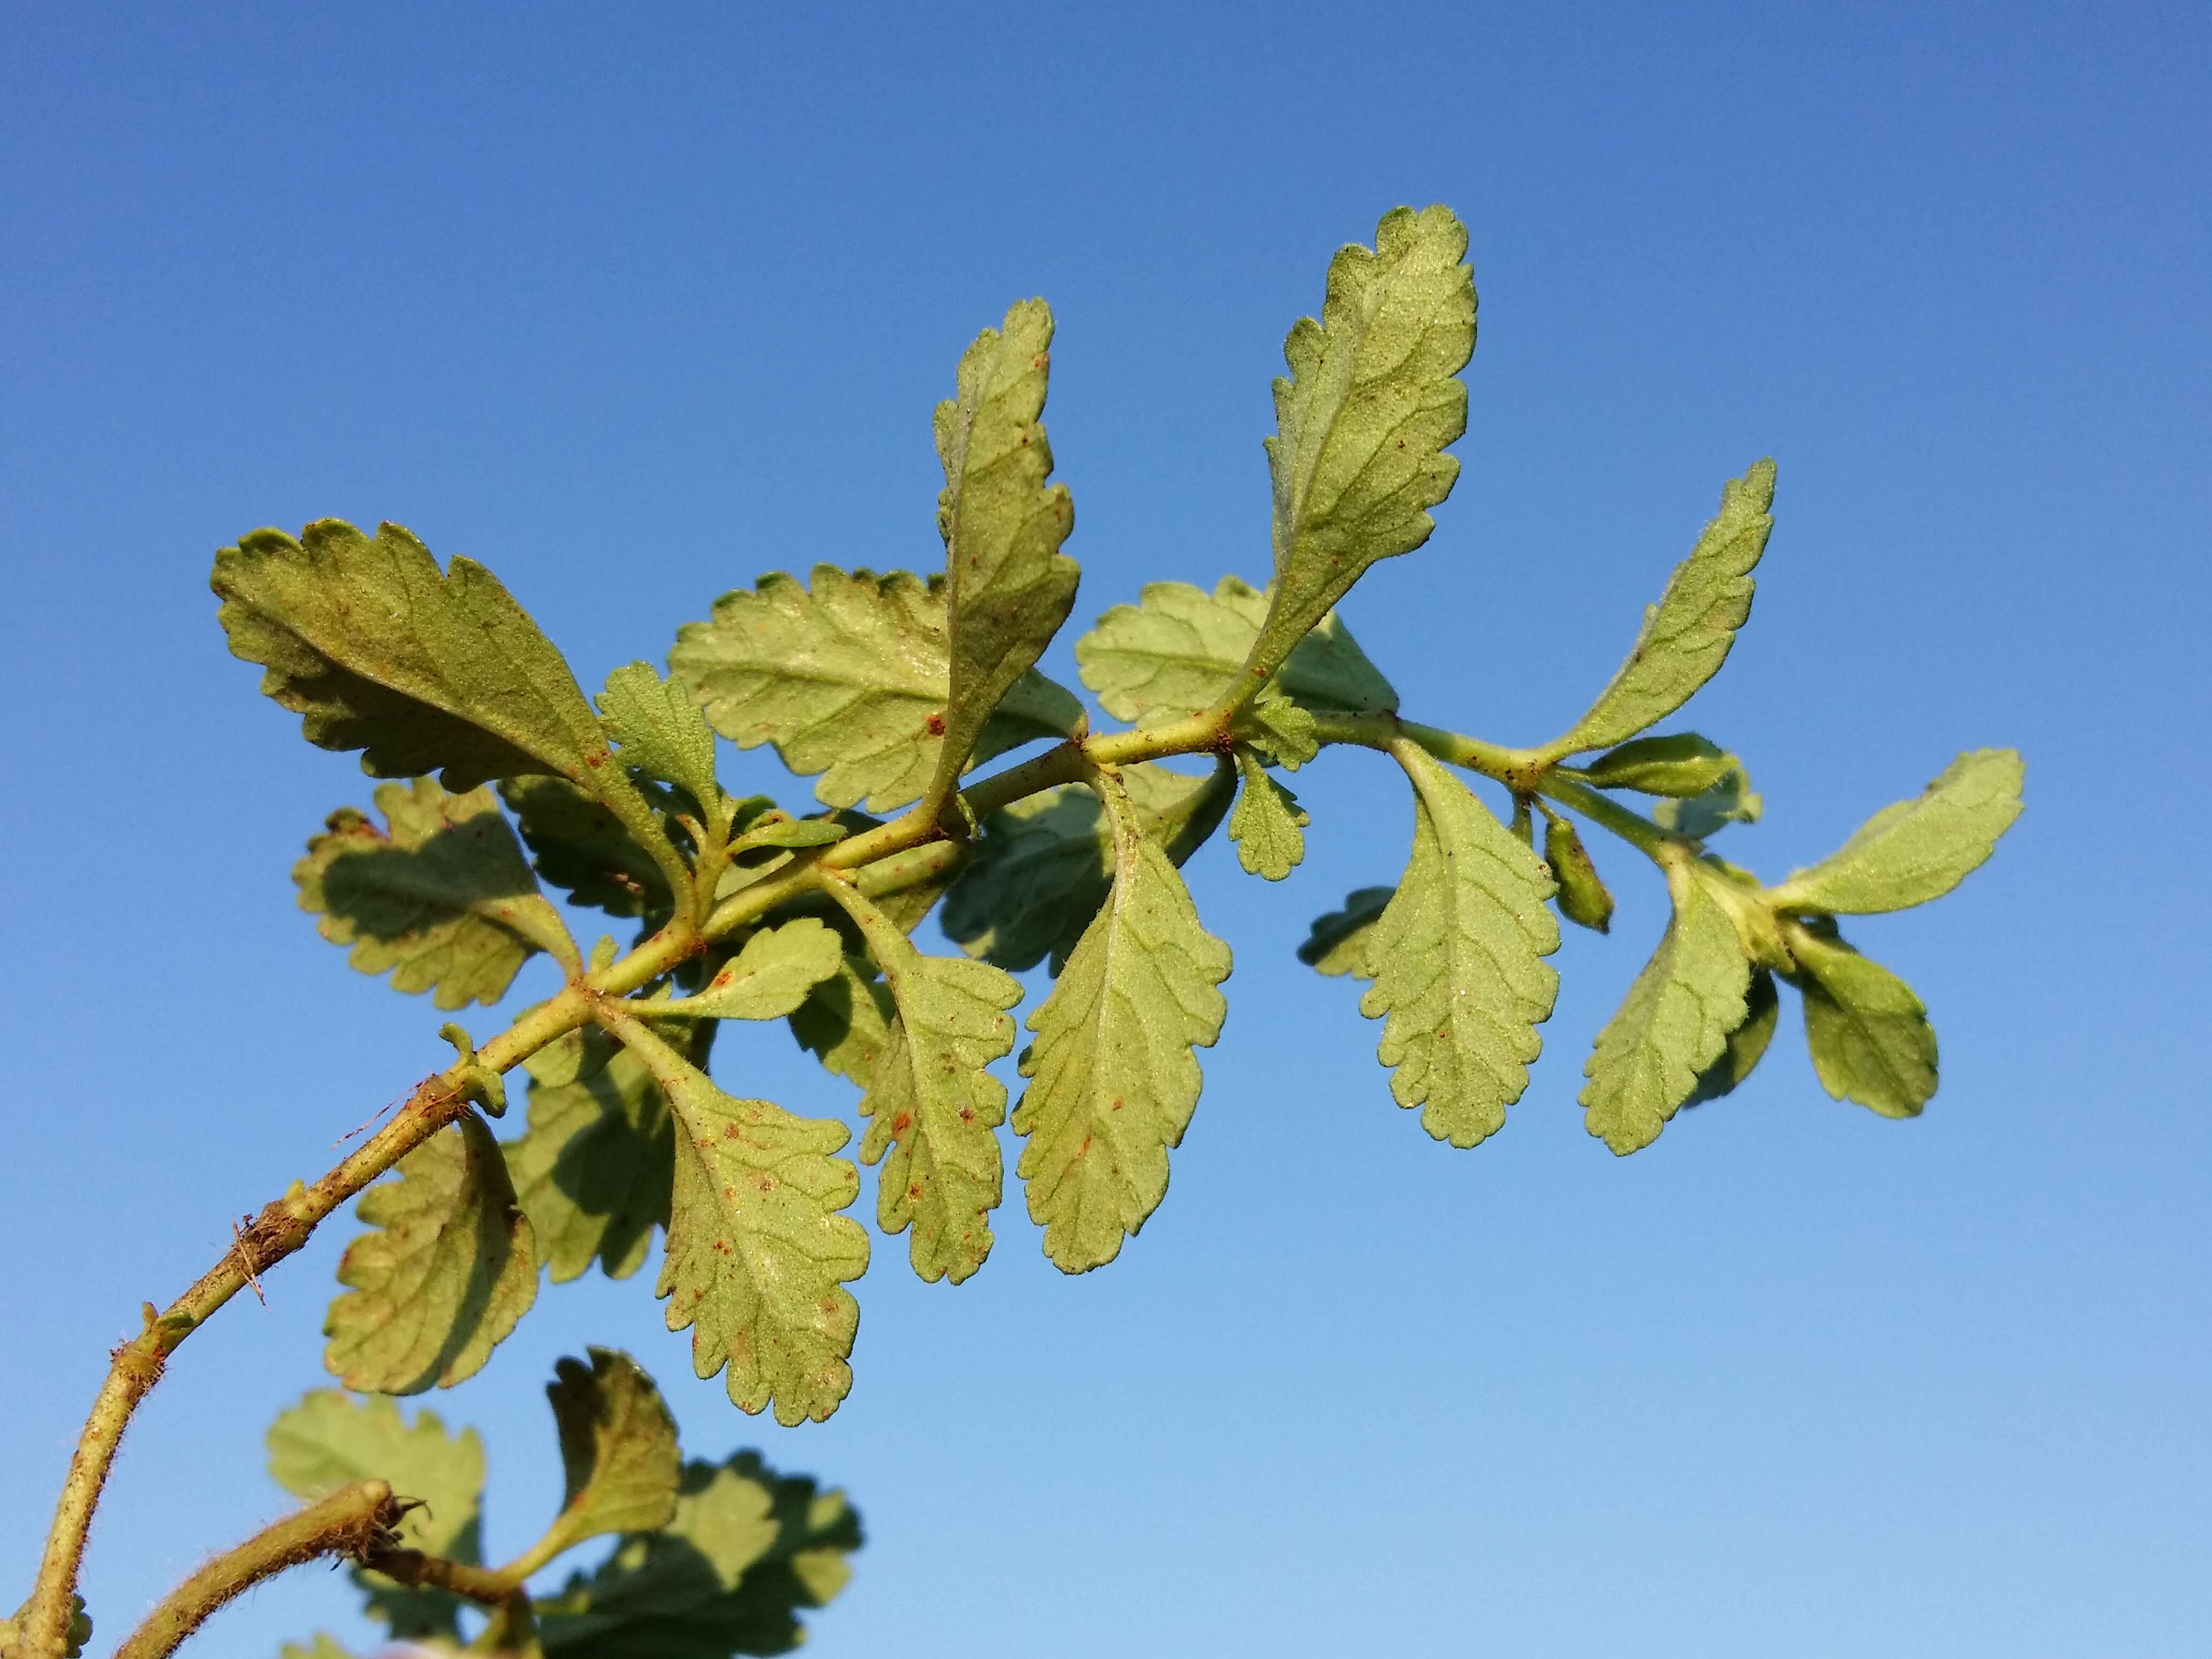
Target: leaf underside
point(619, 1460)
point(1913, 851)
point(1869, 1035)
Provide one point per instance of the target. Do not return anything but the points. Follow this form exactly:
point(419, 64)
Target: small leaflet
point(1011, 587)
point(1869, 1035)
point(771, 977)
point(1362, 421)
point(931, 1105)
point(1113, 1077)
point(441, 900)
point(451, 1269)
point(1679, 765)
point(850, 679)
point(1337, 945)
point(1283, 733)
point(660, 730)
point(331, 1440)
point(422, 671)
point(1672, 1025)
point(1182, 650)
point(1043, 866)
point(1457, 955)
point(1916, 850)
point(1267, 824)
point(1686, 635)
point(620, 1465)
point(748, 1550)
point(757, 1255)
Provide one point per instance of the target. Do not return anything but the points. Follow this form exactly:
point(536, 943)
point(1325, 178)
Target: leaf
point(1681, 763)
point(1267, 824)
point(850, 680)
point(778, 831)
point(442, 900)
point(1673, 1024)
point(1113, 1078)
point(584, 849)
point(1280, 730)
point(845, 1021)
point(772, 976)
point(618, 1457)
point(1361, 421)
point(1338, 944)
point(1747, 1044)
point(930, 1104)
point(757, 1255)
point(1582, 895)
point(330, 1440)
point(422, 673)
point(1729, 801)
point(594, 1170)
point(660, 730)
point(1011, 587)
point(1869, 1035)
point(1916, 850)
point(1457, 957)
point(1180, 651)
point(1686, 635)
point(451, 1270)
point(747, 1551)
point(1043, 866)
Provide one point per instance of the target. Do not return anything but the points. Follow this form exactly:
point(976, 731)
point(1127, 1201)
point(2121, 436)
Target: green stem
point(1647, 837)
point(352, 1520)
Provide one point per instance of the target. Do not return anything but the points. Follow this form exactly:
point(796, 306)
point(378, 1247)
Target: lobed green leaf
point(1267, 824)
point(1372, 399)
point(1686, 635)
point(440, 899)
point(1010, 586)
point(1869, 1033)
point(450, 1271)
point(1675, 1023)
point(850, 679)
point(1182, 650)
point(1913, 851)
point(1457, 961)
point(931, 1105)
point(660, 730)
point(620, 1466)
point(1113, 1078)
point(772, 976)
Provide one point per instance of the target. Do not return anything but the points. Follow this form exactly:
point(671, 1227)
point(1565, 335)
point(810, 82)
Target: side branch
point(355, 1521)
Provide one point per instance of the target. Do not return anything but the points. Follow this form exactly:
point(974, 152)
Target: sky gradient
point(634, 307)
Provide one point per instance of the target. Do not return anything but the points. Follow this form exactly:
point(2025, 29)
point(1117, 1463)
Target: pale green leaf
point(442, 900)
point(1686, 635)
point(1681, 763)
point(1011, 587)
point(1674, 1024)
point(851, 680)
point(772, 975)
point(1043, 866)
point(779, 831)
point(845, 1021)
point(594, 1170)
point(1182, 650)
point(583, 848)
point(1458, 961)
point(1583, 895)
point(1916, 850)
point(1747, 1044)
point(1869, 1035)
point(423, 672)
point(450, 1270)
point(1372, 399)
point(1267, 824)
point(331, 1440)
point(757, 1255)
point(1338, 942)
point(660, 730)
point(1283, 732)
point(930, 1104)
point(1113, 1077)
point(748, 1550)
point(618, 1458)
point(1729, 800)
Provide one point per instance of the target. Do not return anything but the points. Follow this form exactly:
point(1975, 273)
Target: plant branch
point(355, 1521)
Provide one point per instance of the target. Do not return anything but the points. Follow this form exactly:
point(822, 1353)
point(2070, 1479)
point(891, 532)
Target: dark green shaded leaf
point(1337, 943)
point(619, 1463)
point(583, 848)
point(1869, 1035)
point(845, 1021)
point(1747, 1044)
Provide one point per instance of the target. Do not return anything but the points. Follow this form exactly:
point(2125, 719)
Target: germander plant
point(890, 691)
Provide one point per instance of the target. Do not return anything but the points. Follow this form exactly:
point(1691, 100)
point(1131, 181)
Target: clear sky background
point(634, 305)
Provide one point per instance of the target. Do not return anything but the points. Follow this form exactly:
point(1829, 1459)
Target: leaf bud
point(1582, 896)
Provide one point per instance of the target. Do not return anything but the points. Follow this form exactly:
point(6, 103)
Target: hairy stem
point(353, 1521)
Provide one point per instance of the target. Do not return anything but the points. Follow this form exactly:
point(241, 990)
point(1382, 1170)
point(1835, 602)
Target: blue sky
point(633, 307)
